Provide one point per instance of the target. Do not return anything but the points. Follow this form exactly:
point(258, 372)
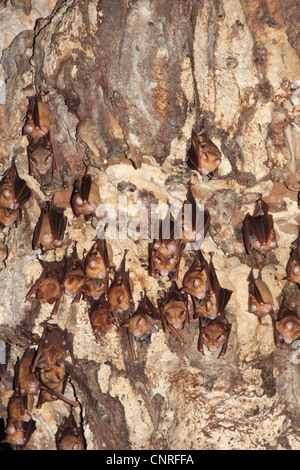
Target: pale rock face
point(125, 100)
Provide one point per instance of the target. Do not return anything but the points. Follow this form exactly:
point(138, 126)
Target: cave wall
point(127, 82)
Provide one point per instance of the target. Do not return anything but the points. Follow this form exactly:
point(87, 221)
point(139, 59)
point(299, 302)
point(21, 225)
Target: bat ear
point(204, 156)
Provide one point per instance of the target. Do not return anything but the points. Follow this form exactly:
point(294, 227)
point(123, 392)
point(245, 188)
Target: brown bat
point(260, 297)
point(18, 434)
point(174, 312)
point(97, 264)
point(49, 285)
point(197, 280)
point(19, 410)
point(93, 289)
point(204, 156)
point(214, 334)
point(258, 230)
point(25, 381)
point(286, 327)
point(165, 251)
point(85, 197)
point(207, 308)
point(69, 436)
point(50, 228)
point(41, 159)
point(100, 317)
point(38, 119)
point(192, 222)
point(293, 264)
point(53, 348)
point(139, 325)
point(14, 193)
point(119, 293)
point(53, 382)
point(74, 279)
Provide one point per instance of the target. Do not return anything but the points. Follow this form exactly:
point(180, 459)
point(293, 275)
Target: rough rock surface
point(127, 82)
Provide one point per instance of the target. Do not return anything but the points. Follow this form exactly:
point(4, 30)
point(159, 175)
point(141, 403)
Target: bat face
point(139, 326)
point(38, 120)
point(260, 298)
point(293, 270)
point(93, 288)
point(165, 248)
point(41, 158)
point(95, 266)
point(7, 218)
point(204, 155)
point(214, 336)
point(259, 308)
point(17, 410)
point(162, 265)
point(54, 376)
point(195, 283)
point(175, 312)
point(74, 282)
point(18, 436)
point(119, 298)
point(288, 328)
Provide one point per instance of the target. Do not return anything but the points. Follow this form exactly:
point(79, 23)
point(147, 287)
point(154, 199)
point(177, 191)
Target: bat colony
point(40, 374)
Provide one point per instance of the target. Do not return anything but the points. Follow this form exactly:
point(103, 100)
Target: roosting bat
point(293, 264)
point(119, 293)
point(216, 297)
point(53, 382)
point(25, 381)
point(286, 327)
point(166, 250)
point(174, 310)
point(69, 436)
point(41, 159)
point(50, 228)
point(38, 119)
point(53, 348)
point(192, 222)
point(97, 264)
point(100, 317)
point(14, 193)
point(214, 334)
point(49, 285)
point(139, 325)
point(258, 230)
point(204, 156)
point(196, 280)
point(260, 297)
point(74, 279)
point(18, 434)
point(85, 197)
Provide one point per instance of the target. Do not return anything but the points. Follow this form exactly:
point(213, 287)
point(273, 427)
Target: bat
point(192, 221)
point(14, 193)
point(19, 434)
point(53, 348)
point(139, 325)
point(260, 298)
point(197, 280)
point(258, 230)
point(119, 292)
point(50, 228)
point(286, 327)
point(93, 289)
point(165, 251)
point(100, 317)
point(214, 334)
point(85, 196)
point(204, 156)
point(207, 308)
point(174, 312)
point(69, 436)
point(49, 285)
point(25, 381)
point(41, 159)
point(74, 278)
point(96, 264)
point(53, 382)
point(293, 264)
point(39, 118)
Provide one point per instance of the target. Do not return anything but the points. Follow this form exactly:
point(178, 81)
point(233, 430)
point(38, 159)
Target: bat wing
point(222, 294)
point(20, 189)
point(194, 153)
point(58, 221)
point(83, 187)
